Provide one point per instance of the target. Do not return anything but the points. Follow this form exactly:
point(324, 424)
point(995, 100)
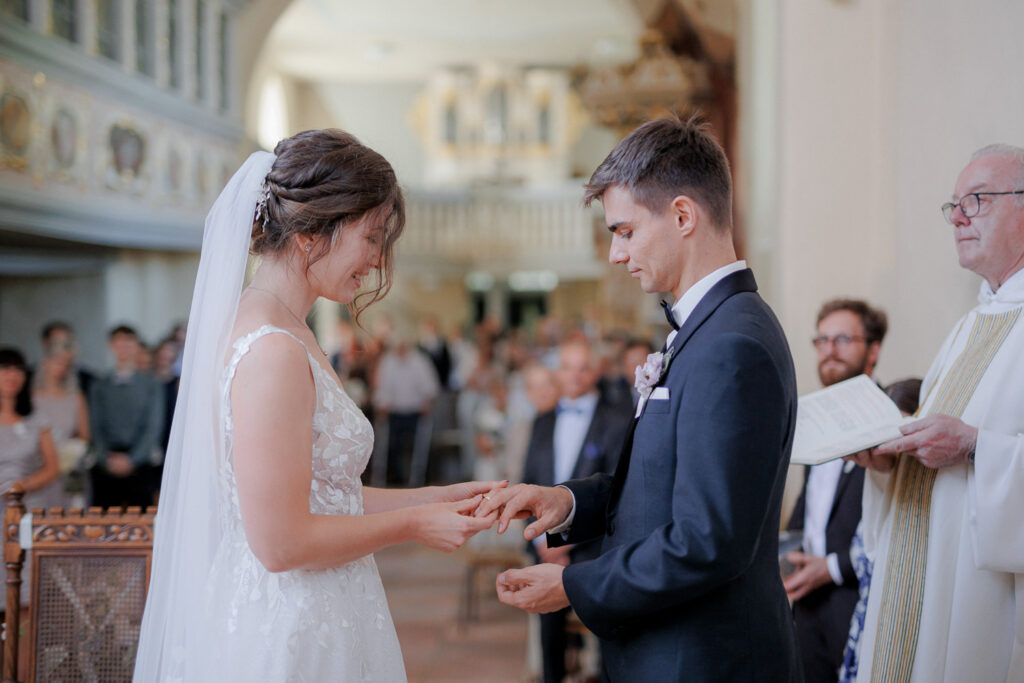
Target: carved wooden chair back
point(87, 589)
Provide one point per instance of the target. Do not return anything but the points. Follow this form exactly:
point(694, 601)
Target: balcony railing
point(491, 227)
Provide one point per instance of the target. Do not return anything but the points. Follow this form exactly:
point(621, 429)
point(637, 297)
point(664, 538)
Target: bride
point(262, 566)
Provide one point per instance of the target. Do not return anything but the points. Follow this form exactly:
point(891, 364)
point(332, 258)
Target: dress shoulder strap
point(242, 345)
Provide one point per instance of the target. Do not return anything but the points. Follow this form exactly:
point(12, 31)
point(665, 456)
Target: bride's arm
point(272, 401)
point(383, 500)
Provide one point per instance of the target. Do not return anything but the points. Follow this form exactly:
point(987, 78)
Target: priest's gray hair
point(1017, 155)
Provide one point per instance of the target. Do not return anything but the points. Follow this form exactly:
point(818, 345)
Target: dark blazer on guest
point(687, 587)
point(599, 453)
point(823, 616)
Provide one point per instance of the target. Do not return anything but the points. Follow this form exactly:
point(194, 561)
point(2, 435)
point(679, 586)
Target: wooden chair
point(87, 589)
point(492, 560)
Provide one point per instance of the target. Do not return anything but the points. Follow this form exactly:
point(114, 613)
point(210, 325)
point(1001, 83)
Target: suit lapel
point(547, 456)
point(841, 485)
point(579, 470)
point(733, 283)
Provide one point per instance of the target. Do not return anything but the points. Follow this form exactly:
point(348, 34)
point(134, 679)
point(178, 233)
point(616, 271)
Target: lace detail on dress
point(302, 625)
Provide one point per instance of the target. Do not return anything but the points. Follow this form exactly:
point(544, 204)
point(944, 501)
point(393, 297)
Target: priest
point(943, 504)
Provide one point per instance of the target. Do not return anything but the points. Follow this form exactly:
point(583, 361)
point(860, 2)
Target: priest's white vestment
point(972, 619)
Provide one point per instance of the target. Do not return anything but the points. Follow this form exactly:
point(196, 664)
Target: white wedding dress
point(301, 625)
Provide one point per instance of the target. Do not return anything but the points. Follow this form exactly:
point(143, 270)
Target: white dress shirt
point(405, 383)
point(682, 309)
point(822, 482)
point(572, 422)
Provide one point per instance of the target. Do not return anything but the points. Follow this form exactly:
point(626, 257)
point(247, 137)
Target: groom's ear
point(685, 212)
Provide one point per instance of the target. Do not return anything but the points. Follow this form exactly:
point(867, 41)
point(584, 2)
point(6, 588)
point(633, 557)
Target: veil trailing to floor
point(188, 528)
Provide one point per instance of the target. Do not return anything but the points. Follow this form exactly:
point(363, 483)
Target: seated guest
point(127, 415)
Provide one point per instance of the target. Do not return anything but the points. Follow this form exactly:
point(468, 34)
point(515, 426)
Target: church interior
point(845, 123)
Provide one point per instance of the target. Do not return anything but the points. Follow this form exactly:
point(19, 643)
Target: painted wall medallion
point(64, 138)
point(15, 123)
point(128, 149)
point(175, 171)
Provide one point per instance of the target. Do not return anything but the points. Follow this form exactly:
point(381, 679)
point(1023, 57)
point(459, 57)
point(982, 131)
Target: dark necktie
point(668, 315)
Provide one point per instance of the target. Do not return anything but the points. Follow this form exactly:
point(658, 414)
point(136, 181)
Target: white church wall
point(151, 291)
point(835, 229)
point(379, 115)
point(959, 87)
point(28, 303)
point(879, 106)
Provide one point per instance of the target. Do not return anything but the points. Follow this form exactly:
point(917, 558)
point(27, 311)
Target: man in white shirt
point(943, 508)
point(582, 435)
point(406, 388)
point(823, 585)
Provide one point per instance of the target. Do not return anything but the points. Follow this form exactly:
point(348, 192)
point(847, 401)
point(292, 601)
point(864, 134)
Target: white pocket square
point(659, 394)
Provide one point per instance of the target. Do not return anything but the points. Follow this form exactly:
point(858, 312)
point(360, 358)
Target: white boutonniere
point(649, 375)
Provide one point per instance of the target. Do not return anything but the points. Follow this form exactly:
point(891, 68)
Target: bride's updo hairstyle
point(321, 182)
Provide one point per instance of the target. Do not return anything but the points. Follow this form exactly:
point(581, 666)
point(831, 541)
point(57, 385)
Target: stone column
point(126, 35)
point(161, 43)
point(208, 44)
point(188, 44)
point(87, 12)
point(40, 15)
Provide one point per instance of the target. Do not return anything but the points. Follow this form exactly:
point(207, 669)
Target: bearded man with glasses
point(943, 504)
point(823, 585)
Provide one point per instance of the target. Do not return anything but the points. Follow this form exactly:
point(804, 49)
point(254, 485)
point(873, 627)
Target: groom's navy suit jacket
point(687, 587)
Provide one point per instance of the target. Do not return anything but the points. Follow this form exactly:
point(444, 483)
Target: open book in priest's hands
point(842, 419)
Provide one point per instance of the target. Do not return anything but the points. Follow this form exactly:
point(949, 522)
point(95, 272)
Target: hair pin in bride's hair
point(261, 205)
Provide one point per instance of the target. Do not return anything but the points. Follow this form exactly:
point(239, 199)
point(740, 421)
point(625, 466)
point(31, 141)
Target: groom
point(687, 586)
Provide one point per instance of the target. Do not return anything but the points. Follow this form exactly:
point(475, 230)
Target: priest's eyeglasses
point(840, 341)
point(970, 204)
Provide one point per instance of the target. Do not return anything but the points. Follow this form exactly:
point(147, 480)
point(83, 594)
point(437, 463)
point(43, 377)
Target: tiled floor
point(423, 588)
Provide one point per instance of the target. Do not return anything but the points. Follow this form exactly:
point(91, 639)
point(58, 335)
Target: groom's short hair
point(663, 159)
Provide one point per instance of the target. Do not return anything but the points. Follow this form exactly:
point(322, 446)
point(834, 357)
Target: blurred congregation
point(446, 406)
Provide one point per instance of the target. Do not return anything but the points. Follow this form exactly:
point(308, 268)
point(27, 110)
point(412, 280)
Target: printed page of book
point(842, 419)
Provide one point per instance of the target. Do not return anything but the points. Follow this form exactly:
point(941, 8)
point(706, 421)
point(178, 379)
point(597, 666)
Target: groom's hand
point(551, 506)
point(536, 589)
point(468, 489)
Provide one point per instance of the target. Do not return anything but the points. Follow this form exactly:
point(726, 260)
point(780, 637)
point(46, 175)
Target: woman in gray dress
point(57, 398)
point(27, 453)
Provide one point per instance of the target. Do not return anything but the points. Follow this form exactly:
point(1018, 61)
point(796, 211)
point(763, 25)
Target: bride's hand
point(446, 526)
point(467, 489)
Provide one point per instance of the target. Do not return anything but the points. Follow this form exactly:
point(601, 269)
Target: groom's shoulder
point(743, 324)
point(747, 313)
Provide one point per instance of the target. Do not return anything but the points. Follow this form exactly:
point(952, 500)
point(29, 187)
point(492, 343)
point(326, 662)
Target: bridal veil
point(187, 529)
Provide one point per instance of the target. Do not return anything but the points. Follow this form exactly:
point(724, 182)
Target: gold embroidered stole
point(899, 619)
